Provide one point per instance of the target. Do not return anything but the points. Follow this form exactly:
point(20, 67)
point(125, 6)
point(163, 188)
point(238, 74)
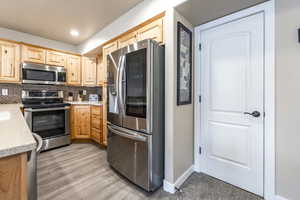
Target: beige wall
point(179, 138)
point(287, 99)
point(183, 119)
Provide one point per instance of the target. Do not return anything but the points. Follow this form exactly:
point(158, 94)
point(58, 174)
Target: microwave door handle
point(56, 75)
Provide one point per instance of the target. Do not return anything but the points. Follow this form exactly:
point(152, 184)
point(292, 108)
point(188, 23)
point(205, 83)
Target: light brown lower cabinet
point(13, 177)
point(87, 123)
point(80, 121)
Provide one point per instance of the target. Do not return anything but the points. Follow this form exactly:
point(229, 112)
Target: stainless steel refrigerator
point(136, 113)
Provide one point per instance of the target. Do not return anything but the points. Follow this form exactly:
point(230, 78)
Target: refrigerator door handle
point(120, 85)
point(117, 82)
point(128, 135)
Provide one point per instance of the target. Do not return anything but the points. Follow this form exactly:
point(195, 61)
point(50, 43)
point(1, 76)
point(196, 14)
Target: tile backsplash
point(15, 90)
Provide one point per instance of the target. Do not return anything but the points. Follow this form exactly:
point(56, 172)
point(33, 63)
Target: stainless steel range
point(48, 116)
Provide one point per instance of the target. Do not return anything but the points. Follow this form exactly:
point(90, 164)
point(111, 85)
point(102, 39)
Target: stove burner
point(42, 99)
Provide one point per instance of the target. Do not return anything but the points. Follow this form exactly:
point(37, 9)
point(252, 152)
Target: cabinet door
point(56, 58)
point(82, 121)
point(100, 71)
point(127, 40)
point(107, 49)
point(153, 31)
point(33, 54)
point(13, 177)
point(96, 135)
point(89, 71)
point(74, 70)
point(9, 62)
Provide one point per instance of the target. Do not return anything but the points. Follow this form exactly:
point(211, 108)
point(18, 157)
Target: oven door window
point(38, 75)
point(136, 73)
point(49, 124)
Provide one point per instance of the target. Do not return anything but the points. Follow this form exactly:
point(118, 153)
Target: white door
point(232, 67)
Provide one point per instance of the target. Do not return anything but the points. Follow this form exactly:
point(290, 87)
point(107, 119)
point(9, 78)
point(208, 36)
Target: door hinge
point(200, 98)
point(200, 47)
point(200, 150)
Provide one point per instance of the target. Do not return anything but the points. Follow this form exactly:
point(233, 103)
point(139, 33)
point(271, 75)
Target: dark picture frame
point(184, 65)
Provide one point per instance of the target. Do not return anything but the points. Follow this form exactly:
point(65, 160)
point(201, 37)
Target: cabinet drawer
point(97, 110)
point(96, 123)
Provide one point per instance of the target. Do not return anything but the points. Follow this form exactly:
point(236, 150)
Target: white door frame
point(269, 85)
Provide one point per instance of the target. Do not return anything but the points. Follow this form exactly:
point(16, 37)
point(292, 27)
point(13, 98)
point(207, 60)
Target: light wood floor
point(81, 172)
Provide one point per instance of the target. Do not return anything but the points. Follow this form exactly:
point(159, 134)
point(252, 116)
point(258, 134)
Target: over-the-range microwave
point(43, 74)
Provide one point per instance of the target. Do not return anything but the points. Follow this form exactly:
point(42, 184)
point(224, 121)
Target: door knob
point(254, 113)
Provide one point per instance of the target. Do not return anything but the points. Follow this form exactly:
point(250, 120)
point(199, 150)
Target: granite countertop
point(93, 103)
point(15, 135)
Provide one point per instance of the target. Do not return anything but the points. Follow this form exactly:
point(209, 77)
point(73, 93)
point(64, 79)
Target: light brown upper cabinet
point(9, 62)
point(107, 49)
point(89, 71)
point(74, 70)
point(100, 71)
point(56, 58)
point(127, 40)
point(33, 54)
point(154, 31)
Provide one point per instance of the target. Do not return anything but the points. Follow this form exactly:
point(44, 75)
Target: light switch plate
point(4, 92)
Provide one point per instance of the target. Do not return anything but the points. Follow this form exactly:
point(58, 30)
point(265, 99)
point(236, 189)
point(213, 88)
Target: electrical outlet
point(84, 92)
point(4, 92)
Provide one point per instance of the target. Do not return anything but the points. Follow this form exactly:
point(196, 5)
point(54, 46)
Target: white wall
point(169, 95)
point(32, 39)
point(140, 13)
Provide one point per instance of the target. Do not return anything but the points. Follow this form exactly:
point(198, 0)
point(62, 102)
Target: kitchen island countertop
point(15, 135)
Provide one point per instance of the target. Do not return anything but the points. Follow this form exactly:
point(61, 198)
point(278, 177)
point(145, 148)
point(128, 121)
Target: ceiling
point(53, 19)
point(201, 11)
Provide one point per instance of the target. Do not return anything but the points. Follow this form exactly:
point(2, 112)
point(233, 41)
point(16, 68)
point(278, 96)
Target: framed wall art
point(184, 65)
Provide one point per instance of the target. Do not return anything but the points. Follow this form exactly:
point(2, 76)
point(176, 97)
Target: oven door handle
point(46, 109)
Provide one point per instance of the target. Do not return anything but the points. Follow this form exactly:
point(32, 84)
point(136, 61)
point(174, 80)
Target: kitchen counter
point(92, 103)
point(15, 135)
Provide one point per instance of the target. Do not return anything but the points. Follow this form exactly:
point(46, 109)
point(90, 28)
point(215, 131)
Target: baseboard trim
point(168, 187)
point(171, 187)
point(277, 197)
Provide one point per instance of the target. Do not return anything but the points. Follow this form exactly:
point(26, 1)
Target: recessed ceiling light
point(74, 33)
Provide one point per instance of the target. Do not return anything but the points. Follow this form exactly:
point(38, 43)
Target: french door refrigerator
point(136, 113)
